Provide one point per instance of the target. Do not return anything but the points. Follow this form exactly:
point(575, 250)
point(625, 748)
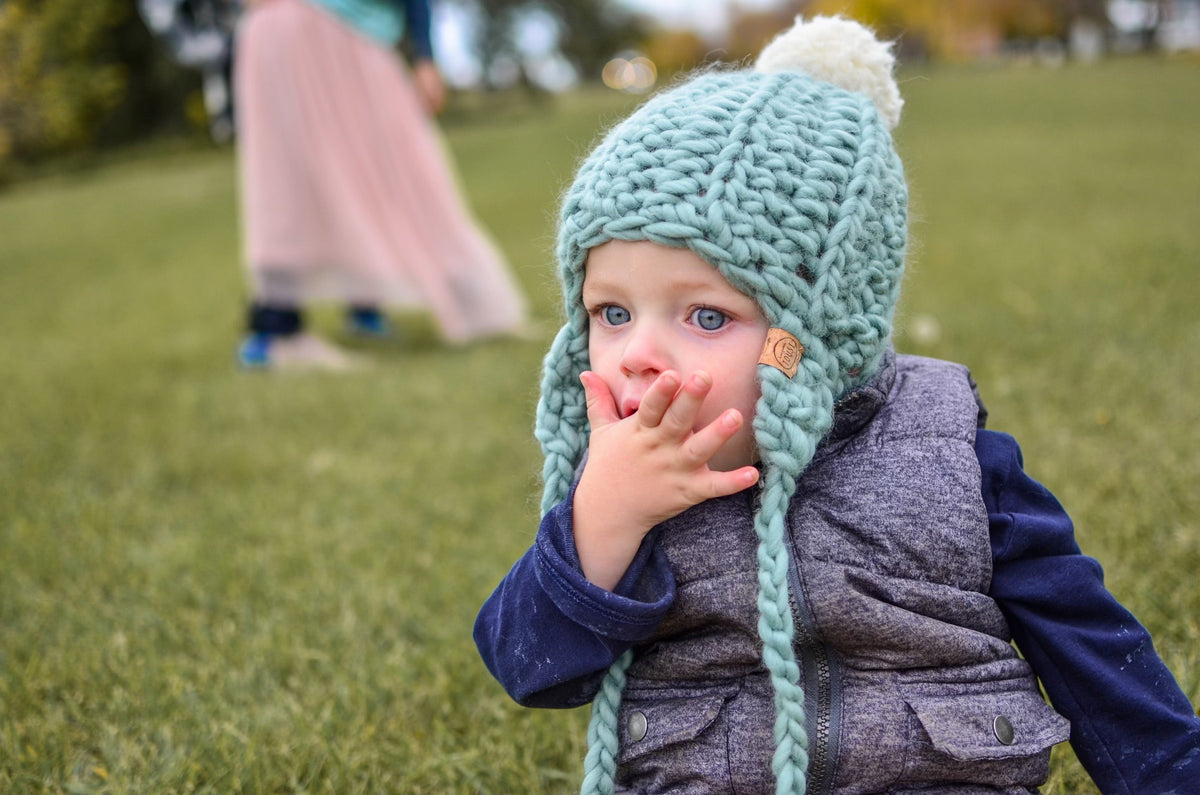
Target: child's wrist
point(607, 514)
point(606, 539)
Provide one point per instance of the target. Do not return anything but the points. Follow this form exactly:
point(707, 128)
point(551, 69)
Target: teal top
point(384, 20)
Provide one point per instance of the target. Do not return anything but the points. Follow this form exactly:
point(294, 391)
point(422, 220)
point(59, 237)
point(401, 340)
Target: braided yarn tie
point(787, 433)
point(600, 764)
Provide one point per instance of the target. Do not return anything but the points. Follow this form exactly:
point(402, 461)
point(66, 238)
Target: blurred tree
point(58, 80)
point(495, 42)
point(594, 30)
point(1094, 10)
point(1033, 19)
point(750, 31)
point(78, 73)
point(948, 29)
point(590, 32)
point(674, 51)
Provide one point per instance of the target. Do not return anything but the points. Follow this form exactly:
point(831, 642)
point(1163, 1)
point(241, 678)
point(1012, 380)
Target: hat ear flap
point(562, 426)
point(793, 414)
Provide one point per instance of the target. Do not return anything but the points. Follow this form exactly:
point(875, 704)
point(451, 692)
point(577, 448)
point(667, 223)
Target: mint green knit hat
point(785, 179)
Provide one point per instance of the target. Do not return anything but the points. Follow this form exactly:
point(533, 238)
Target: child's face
point(654, 309)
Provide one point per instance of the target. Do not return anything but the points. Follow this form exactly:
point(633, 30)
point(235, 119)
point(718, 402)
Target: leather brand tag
point(782, 351)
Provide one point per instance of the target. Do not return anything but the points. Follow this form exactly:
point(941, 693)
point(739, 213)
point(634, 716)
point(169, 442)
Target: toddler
point(774, 553)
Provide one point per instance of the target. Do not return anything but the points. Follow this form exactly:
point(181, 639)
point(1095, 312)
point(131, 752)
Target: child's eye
point(614, 315)
point(709, 319)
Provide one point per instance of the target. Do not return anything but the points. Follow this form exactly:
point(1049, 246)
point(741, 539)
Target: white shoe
point(301, 351)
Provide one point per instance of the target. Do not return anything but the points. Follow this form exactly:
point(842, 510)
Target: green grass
point(215, 581)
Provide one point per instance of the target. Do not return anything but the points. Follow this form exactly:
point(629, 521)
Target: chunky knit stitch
point(790, 187)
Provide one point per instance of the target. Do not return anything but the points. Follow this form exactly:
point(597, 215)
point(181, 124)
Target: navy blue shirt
point(548, 635)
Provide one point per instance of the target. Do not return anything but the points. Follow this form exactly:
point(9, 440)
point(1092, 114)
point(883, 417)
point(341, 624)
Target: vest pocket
point(674, 740)
point(981, 726)
point(998, 738)
point(653, 719)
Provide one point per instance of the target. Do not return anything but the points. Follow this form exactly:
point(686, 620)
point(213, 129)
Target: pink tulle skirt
point(347, 194)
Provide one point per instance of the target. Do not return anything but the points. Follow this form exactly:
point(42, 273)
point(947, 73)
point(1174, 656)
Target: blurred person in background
point(347, 194)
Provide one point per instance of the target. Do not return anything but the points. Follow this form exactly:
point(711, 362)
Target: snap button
point(1003, 729)
point(637, 725)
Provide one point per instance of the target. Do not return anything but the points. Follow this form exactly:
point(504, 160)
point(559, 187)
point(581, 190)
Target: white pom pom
point(840, 52)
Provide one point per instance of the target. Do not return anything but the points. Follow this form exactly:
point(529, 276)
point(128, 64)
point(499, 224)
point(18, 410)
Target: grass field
point(227, 582)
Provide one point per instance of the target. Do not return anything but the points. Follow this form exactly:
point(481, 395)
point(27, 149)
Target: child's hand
point(430, 88)
point(646, 468)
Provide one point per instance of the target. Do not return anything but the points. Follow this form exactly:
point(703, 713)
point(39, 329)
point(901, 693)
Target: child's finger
point(712, 437)
point(601, 407)
point(722, 484)
point(657, 399)
point(680, 416)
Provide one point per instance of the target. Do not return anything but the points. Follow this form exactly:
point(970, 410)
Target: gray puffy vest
point(910, 680)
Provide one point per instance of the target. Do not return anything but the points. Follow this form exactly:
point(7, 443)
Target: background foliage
point(77, 74)
point(224, 582)
point(55, 81)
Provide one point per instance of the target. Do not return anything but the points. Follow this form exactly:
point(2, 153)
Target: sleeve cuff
point(618, 615)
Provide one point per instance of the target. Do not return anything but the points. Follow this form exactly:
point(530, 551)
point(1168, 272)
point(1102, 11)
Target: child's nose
point(645, 352)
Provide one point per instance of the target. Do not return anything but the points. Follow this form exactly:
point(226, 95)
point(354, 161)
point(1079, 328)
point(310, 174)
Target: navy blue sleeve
point(548, 635)
point(418, 25)
point(1132, 728)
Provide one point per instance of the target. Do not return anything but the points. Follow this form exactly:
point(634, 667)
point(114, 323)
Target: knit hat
point(785, 179)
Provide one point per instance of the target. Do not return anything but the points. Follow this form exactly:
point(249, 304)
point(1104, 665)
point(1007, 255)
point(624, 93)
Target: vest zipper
point(822, 688)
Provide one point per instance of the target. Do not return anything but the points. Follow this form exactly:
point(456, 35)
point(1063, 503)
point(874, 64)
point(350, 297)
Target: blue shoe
point(368, 322)
point(255, 352)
